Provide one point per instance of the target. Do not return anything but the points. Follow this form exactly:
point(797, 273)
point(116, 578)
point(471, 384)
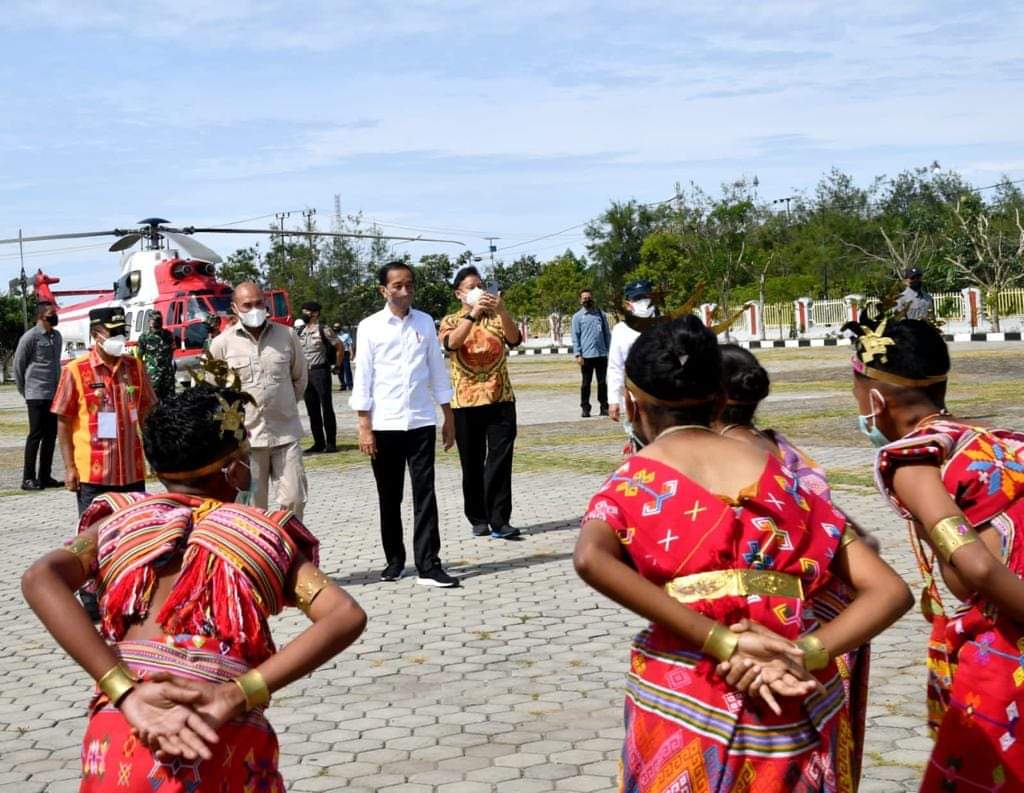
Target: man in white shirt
point(399, 377)
point(638, 302)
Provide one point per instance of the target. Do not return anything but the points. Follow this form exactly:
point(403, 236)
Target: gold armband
point(949, 534)
point(254, 689)
point(117, 682)
point(720, 642)
point(84, 548)
point(307, 587)
point(849, 535)
point(815, 654)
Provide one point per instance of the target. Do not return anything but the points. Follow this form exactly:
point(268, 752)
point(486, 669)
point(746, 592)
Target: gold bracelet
point(254, 689)
point(83, 549)
point(849, 535)
point(117, 682)
point(815, 655)
point(950, 534)
point(307, 587)
point(720, 642)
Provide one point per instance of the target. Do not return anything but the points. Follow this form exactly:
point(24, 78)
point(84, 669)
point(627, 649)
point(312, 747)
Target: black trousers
point(395, 450)
point(486, 435)
point(590, 366)
point(322, 423)
point(87, 492)
point(42, 437)
point(345, 374)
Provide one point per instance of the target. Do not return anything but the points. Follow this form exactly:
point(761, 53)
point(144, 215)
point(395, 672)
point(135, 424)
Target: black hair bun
point(678, 359)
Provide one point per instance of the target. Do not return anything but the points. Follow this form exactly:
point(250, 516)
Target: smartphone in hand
point(492, 287)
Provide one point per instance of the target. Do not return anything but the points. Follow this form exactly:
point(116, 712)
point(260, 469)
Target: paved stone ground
point(511, 683)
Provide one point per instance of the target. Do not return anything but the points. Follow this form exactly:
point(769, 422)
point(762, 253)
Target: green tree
point(243, 265)
point(559, 283)
point(615, 241)
point(434, 293)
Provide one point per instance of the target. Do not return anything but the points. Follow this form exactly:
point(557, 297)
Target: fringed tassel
point(126, 600)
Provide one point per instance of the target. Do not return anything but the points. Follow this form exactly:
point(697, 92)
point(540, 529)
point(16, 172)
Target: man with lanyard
point(324, 352)
point(591, 337)
point(478, 336)
point(36, 372)
point(917, 302)
point(269, 362)
point(101, 401)
point(156, 348)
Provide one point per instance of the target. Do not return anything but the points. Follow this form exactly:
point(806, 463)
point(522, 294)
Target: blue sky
point(474, 118)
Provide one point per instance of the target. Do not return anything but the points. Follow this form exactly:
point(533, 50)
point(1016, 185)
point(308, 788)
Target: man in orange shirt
point(101, 401)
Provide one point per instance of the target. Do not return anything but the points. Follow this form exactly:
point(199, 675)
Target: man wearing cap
point(637, 296)
point(101, 401)
point(156, 349)
point(324, 352)
point(917, 302)
point(345, 371)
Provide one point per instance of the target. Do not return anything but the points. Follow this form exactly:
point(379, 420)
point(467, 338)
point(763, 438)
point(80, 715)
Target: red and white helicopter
point(172, 274)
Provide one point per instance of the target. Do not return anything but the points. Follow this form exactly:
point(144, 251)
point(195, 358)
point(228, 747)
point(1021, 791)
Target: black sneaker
point(314, 450)
point(51, 482)
point(481, 530)
point(393, 571)
point(437, 577)
point(585, 413)
point(331, 450)
point(604, 411)
point(30, 484)
point(505, 533)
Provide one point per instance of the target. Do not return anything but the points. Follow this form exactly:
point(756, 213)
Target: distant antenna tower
point(338, 220)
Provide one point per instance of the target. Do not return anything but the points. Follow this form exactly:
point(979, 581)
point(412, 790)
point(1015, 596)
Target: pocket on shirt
point(242, 366)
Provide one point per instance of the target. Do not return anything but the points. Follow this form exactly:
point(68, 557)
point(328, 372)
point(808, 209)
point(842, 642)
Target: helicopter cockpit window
point(142, 321)
point(196, 310)
point(280, 307)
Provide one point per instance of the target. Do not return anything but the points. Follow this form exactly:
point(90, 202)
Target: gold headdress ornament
point(212, 372)
point(640, 324)
point(872, 343)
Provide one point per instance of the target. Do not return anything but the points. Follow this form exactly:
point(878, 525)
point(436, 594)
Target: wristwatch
point(468, 316)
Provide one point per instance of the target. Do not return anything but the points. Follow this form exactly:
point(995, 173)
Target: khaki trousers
point(282, 466)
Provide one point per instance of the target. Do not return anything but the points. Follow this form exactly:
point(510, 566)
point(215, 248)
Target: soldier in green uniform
point(156, 349)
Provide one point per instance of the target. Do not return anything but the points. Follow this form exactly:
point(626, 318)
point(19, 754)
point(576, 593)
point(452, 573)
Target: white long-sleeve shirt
point(400, 373)
point(623, 337)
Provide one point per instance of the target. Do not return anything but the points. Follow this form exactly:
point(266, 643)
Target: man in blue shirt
point(591, 338)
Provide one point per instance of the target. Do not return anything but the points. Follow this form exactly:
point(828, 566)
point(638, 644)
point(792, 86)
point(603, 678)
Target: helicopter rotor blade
point(349, 235)
point(79, 235)
point(125, 242)
point(194, 248)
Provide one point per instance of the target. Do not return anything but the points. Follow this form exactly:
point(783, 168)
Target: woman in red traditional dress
point(186, 581)
point(961, 487)
point(733, 686)
point(746, 384)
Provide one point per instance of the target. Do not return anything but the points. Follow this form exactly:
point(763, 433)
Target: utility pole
point(491, 247)
point(24, 284)
point(308, 215)
point(280, 224)
point(787, 199)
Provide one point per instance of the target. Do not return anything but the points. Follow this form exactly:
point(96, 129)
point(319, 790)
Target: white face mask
point(253, 318)
point(643, 307)
point(473, 295)
point(113, 346)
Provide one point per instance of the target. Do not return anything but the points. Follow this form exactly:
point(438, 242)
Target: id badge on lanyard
point(106, 425)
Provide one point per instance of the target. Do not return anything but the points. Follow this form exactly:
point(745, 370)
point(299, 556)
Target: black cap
point(637, 289)
point(311, 305)
point(112, 319)
point(912, 272)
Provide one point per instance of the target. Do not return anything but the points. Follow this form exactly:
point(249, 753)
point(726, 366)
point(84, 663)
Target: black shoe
point(331, 450)
point(314, 450)
point(604, 411)
point(393, 571)
point(51, 482)
point(437, 577)
point(505, 533)
point(586, 413)
point(30, 484)
point(481, 530)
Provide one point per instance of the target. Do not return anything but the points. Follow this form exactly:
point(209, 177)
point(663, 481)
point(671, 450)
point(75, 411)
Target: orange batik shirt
point(89, 388)
point(480, 365)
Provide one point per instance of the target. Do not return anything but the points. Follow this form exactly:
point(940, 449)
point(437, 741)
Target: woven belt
point(734, 583)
